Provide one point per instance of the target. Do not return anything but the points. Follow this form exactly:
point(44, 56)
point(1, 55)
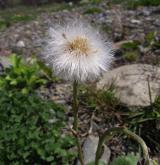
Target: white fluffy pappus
point(76, 51)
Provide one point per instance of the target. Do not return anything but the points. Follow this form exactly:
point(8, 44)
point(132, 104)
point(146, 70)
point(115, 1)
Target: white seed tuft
point(77, 51)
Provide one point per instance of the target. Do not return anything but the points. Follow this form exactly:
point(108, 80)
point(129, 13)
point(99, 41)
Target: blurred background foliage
point(132, 3)
point(13, 11)
point(11, 3)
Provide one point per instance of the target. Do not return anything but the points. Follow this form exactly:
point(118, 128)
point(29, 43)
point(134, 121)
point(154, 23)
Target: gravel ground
point(118, 24)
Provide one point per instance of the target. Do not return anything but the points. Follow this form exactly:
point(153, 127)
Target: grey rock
point(63, 102)
point(157, 52)
point(135, 21)
point(89, 150)
point(132, 83)
point(5, 62)
point(20, 44)
point(146, 12)
point(156, 10)
point(144, 49)
point(157, 22)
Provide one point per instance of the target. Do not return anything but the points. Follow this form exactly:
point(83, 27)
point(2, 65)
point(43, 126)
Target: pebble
point(89, 150)
point(20, 44)
point(135, 21)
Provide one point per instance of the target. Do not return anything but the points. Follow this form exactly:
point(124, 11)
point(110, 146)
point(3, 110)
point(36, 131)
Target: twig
point(75, 106)
point(78, 145)
point(91, 124)
point(149, 91)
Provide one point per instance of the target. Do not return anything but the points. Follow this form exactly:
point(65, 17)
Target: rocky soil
point(117, 23)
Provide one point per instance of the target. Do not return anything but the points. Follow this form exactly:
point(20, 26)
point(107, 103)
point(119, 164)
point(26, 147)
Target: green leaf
point(133, 45)
point(125, 160)
point(150, 37)
point(100, 163)
point(50, 158)
point(25, 91)
point(14, 82)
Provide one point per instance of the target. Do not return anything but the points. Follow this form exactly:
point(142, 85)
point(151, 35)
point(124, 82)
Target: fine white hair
point(83, 63)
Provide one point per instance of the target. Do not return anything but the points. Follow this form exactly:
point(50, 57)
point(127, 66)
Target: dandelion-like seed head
point(78, 46)
point(77, 51)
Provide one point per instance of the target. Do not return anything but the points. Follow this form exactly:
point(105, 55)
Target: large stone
point(132, 83)
point(89, 150)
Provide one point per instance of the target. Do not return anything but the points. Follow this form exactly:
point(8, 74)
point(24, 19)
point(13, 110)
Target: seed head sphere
point(77, 52)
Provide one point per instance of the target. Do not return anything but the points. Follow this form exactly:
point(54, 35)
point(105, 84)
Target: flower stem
point(111, 132)
point(75, 122)
point(75, 106)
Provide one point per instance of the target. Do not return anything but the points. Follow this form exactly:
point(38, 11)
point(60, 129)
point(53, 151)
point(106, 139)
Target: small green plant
point(151, 42)
point(102, 98)
point(19, 17)
point(2, 25)
point(142, 115)
point(93, 10)
point(133, 45)
point(130, 56)
point(133, 4)
point(90, 1)
point(107, 97)
point(87, 97)
point(31, 131)
point(143, 119)
point(125, 160)
point(149, 38)
point(14, 18)
point(21, 76)
point(149, 2)
point(99, 163)
point(156, 45)
point(22, 13)
point(105, 28)
point(130, 51)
